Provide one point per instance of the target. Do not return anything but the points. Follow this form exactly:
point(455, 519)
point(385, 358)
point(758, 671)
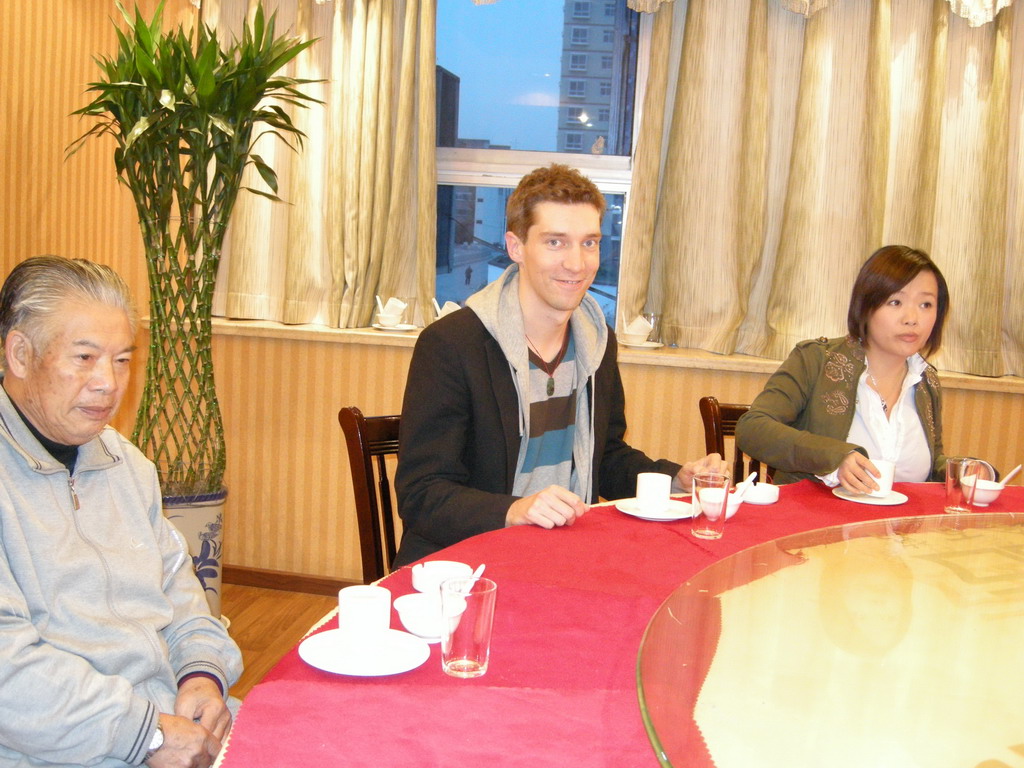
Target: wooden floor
point(266, 624)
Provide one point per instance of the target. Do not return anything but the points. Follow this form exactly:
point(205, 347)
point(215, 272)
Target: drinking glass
point(710, 501)
point(467, 608)
point(961, 473)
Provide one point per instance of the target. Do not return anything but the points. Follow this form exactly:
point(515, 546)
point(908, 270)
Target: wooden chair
point(719, 423)
point(370, 438)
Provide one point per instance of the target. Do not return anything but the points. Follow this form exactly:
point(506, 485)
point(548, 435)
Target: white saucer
point(401, 327)
point(642, 345)
point(390, 653)
point(894, 498)
point(677, 510)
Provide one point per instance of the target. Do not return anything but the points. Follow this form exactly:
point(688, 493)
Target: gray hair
point(38, 288)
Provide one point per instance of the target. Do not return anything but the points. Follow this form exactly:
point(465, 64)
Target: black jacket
point(460, 437)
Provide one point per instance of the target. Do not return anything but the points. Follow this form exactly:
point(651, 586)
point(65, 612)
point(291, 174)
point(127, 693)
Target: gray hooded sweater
point(498, 308)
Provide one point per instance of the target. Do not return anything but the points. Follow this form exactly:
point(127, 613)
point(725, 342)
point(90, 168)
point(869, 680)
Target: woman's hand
point(857, 474)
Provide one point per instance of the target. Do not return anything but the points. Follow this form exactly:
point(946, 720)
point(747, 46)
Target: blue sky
point(507, 56)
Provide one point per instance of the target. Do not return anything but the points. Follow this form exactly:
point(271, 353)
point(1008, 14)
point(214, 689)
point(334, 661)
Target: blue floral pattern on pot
point(207, 562)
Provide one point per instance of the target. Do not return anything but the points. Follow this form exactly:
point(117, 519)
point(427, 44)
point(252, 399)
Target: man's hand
point(683, 480)
point(548, 508)
point(200, 700)
point(857, 474)
point(186, 744)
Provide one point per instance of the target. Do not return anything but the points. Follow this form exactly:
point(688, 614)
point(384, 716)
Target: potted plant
point(184, 111)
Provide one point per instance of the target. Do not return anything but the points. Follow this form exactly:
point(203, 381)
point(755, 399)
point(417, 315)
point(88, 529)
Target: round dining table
point(573, 607)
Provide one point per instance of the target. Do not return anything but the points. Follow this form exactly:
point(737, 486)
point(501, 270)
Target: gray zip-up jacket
point(100, 611)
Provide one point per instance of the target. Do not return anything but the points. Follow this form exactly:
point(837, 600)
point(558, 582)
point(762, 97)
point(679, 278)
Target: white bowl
point(427, 577)
point(762, 493)
point(633, 338)
point(389, 319)
point(986, 492)
point(420, 613)
point(734, 503)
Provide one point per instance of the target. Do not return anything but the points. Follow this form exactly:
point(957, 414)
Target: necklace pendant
point(551, 385)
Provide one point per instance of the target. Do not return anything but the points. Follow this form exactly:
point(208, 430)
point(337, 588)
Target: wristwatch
point(157, 742)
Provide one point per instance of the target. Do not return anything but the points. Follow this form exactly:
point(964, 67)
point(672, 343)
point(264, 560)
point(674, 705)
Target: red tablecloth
point(572, 607)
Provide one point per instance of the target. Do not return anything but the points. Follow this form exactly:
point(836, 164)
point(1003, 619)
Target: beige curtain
point(776, 151)
point(360, 212)
point(976, 12)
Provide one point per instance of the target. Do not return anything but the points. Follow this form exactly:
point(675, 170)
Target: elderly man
point(514, 410)
point(108, 653)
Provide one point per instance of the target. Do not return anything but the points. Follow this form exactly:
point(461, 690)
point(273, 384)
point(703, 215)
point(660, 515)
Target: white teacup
point(389, 319)
point(364, 610)
point(652, 491)
point(888, 469)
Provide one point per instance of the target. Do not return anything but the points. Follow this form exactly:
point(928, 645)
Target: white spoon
point(1007, 479)
point(476, 574)
point(379, 305)
point(437, 307)
point(742, 487)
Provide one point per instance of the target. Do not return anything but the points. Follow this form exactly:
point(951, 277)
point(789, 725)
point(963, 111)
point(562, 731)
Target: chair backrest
point(370, 440)
point(719, 423)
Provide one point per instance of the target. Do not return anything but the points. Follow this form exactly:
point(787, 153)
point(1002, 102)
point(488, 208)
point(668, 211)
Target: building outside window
point(495, 120)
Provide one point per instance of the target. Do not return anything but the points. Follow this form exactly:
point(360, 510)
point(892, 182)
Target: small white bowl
point(762, 493)
point(427, 577)
point(734, 503)
point(633, 338)
point(389, 319)
point(986, 492)
point(420, 614)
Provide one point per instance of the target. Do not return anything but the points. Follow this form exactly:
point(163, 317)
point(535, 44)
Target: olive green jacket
point(799, 423)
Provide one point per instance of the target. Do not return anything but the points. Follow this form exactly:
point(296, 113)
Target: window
point(497, 118)
point(606, 62)
point(479, 255)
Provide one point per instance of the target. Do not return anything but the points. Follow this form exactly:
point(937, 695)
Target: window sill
point(663, 357)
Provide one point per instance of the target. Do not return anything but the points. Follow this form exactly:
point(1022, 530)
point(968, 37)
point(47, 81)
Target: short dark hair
point(552, 184)
point(885, 272)
point(37, 288)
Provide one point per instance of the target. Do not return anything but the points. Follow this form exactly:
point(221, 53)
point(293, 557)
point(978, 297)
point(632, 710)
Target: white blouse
point(899, 438)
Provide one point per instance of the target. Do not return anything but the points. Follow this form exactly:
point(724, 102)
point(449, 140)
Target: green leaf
point(261, 193)
point(137, 130)
point(167, 99)
point(267, 173)
point(222, 124)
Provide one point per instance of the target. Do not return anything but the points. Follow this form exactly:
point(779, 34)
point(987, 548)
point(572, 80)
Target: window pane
point(565, 53)
point(471, 244)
